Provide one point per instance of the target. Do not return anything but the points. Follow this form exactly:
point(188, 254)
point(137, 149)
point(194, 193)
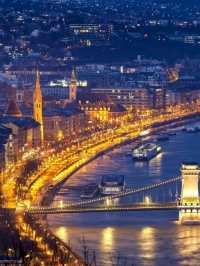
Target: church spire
point(73, 87)
point(37, 105)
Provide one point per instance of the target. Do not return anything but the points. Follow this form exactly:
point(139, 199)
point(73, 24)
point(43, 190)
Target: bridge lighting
point(61, 204)
point(108, 202)
point(147, 200)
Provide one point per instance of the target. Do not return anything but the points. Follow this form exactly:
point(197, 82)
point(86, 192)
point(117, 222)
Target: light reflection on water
point(107, 239)
point(146, 242)
point(151, 238)
point(62, 233)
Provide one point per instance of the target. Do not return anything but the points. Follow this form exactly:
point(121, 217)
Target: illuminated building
point(182, 95)
point(121, 95)
point(18, 134)
point(5, 146)
point(90, 34)
point(142, 99)
point(56, 90)
point(61, 123)
point(139, 98)
point(102, 108)
point(57, 119)
point(37, 105)
point(64, 90)
point(159, 98)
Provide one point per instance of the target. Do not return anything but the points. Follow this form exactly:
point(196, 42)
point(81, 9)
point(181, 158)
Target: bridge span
point(125, 208)
point(87, 204)
point(125, 193)
point(188, 205)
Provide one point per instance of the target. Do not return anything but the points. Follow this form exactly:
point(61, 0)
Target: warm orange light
point(60, 135)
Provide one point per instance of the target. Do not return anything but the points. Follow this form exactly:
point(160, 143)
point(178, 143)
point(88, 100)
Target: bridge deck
point(153, 207)
point(86, 205)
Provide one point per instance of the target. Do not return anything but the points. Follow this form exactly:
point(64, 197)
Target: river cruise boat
point(90, 191)
point(146, 152)
point(111, 185)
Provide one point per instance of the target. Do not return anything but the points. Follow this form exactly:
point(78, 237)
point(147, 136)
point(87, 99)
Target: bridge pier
point(189, 209)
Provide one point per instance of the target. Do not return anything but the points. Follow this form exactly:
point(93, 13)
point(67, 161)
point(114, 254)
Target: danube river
point(150, 238)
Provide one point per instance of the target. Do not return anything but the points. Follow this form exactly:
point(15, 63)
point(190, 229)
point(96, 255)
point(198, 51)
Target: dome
point(13, 109)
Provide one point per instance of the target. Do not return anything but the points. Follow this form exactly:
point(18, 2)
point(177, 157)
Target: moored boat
point(90, 191)
point(112, 184)
point(146, 152)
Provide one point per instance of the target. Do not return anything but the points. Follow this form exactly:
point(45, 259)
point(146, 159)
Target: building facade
point(63, 123)
point(100, 108)
point(19, 135)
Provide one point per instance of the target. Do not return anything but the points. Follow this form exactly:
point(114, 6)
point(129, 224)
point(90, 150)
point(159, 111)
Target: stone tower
point(73, 87)
point(37, 105)
point(189, 210)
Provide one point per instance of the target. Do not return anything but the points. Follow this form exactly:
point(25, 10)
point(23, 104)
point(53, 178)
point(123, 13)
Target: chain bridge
point(187, 203)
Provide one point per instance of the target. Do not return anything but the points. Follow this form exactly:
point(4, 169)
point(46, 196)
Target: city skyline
point(99, 132)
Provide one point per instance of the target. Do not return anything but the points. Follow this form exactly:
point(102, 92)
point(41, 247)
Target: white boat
point(191, 130)
point(146, 152)
point(111, 185)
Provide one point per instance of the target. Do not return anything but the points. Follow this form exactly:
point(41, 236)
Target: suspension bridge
point(188, 204)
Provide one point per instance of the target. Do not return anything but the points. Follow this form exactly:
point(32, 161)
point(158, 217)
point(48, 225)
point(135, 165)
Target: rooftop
point(13, 109)
point(22, 122)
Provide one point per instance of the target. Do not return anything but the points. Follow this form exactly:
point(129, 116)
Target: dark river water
point(148, 238)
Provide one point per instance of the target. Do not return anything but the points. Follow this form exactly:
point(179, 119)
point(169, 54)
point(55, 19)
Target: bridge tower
point(189, 212)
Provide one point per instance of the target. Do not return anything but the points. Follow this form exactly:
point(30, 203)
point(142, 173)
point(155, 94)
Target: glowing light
point(107, 239)
point(61, 204)
point(147, 242)
point(191, 242)
point(145, 132)
point(62, 233)
point(60, 135)
point(147, 200)
point(108, 202)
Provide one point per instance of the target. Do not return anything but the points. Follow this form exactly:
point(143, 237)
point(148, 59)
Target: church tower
point(73, 87)
point(37, 105)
